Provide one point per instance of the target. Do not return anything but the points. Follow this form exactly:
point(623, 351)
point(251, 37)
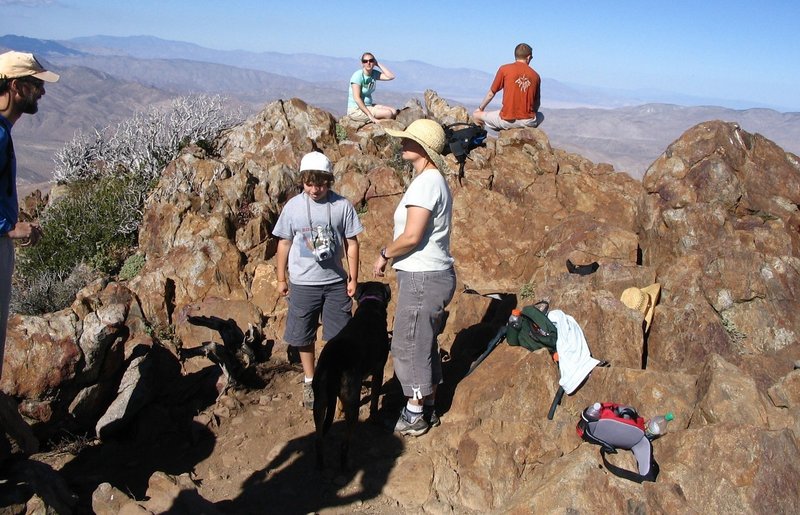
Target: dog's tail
point(325, 394)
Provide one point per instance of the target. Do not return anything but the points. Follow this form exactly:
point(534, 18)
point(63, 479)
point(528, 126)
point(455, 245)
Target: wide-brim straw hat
point(643, 300)
point(430, 135)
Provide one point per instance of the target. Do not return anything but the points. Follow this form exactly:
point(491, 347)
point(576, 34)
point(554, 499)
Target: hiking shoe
point(430, 416)
point(308, 396)
point(411, 424)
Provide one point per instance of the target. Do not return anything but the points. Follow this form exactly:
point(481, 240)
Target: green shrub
point(527, 291)
point(734, 334)
point(93, 224)
point(162, 333)
point(132, 266)
point(108, 176)
point(341, 133)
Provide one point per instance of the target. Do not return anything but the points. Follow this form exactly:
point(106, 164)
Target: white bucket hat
point(316, 161)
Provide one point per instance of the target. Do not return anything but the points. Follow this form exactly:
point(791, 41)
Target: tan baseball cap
point(14, 65)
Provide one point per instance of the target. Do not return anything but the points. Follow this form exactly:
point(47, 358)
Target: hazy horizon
point(728, 52)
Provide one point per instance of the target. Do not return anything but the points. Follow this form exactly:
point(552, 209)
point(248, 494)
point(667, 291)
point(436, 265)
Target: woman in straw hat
point(426, 281)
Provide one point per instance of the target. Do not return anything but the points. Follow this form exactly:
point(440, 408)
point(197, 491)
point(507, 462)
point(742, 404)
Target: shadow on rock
point(468, 345)
point(163, 436)
point(22, 479)
point(291, 483)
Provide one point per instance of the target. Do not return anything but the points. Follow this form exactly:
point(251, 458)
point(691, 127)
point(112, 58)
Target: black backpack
point(460, 141)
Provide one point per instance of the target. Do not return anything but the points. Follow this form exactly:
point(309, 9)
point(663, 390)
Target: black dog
point(358, 351)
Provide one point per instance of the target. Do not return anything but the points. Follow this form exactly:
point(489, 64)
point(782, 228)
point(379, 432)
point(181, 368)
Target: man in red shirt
point(521, 87)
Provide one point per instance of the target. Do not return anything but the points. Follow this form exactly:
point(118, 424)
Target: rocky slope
point(715, 221)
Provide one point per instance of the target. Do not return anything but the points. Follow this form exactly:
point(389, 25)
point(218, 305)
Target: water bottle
point(657, 425)
point(513, 320)
point(593, 411)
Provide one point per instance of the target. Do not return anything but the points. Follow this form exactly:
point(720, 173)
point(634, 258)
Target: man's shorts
point(492, 120)
point(306, 303)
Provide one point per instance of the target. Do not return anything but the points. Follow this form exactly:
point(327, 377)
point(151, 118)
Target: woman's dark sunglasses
point(365, 61)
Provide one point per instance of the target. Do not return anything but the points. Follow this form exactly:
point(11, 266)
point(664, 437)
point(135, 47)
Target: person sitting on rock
point(316, 229)
point(362, 84)
point(521, 87)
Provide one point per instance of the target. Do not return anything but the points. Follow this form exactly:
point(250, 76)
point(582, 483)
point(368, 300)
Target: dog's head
point(373, 290)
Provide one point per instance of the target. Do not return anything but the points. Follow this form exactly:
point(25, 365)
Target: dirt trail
point(252, 452)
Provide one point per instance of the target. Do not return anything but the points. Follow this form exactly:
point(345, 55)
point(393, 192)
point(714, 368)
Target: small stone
point(204, 419)
point(229, 402)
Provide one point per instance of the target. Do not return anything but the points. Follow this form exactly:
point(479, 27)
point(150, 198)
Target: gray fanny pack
point(613, 427)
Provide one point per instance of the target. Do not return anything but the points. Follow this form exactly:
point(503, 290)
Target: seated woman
point(362, 85)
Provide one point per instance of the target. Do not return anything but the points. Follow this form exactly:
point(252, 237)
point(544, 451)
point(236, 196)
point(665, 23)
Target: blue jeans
point(6, 271)
point(419, 319)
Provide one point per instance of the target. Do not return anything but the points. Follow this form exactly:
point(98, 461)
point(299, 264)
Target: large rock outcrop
point(714, 221)
point(718, 220)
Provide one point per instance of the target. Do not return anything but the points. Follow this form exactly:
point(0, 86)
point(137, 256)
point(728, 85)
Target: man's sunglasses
point(365, 61)
point(33, 81)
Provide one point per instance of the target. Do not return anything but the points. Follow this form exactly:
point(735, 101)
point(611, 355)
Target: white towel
point(574, 359)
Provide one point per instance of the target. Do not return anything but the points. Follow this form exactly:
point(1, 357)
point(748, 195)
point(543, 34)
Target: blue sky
point(737, 50)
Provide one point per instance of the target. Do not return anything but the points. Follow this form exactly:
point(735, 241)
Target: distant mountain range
point(106, 79)
point(631, 138)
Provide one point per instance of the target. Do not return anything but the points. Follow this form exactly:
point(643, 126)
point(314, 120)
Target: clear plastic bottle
point(513, 320)
point(593, 411)
point(657, 425)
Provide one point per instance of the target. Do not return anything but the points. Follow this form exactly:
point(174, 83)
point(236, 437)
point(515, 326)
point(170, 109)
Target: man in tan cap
point(22, 80)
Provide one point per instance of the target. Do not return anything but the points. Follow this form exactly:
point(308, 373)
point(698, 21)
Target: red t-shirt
point(520, 84)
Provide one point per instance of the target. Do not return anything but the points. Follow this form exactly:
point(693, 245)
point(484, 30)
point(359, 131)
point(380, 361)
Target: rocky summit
point(715, 221)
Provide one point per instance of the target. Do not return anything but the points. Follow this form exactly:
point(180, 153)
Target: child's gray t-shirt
point(293, 224)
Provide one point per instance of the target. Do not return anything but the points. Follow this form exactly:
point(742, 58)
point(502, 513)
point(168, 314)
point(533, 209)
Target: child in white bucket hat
point(317, 228)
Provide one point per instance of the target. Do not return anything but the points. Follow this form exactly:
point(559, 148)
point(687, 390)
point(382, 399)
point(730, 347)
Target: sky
point(736, 50)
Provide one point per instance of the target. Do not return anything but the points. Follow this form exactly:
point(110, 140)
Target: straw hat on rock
point(643, 300)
